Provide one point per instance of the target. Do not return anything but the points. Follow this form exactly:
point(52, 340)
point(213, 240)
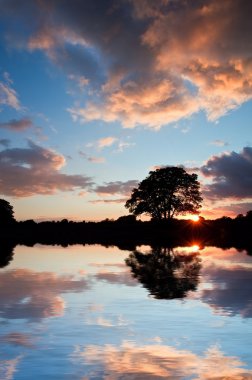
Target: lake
point(95, 312)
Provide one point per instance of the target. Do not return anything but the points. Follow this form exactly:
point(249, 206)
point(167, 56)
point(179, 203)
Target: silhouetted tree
point(167, 274)
point(165, 193)
point(249, 216)
point(126, 219)
point(6, 212)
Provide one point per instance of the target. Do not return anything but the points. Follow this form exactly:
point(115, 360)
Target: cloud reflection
point(32, 295)
point(231, 290)
point(18, 339)
point(9, 367)
point(129, 362)
point(120, 278)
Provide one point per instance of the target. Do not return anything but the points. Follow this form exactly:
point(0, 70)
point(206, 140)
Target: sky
point(95, 94)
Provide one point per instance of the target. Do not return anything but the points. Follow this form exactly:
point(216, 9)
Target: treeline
point(126, 232)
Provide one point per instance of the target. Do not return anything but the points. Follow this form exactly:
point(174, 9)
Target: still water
point(90, 312)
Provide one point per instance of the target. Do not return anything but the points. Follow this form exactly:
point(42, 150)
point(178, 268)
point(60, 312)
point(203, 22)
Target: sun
point(195, 218)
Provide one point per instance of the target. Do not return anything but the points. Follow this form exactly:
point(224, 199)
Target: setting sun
point(194, 218)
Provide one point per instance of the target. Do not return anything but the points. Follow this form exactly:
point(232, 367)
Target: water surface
point(90, 312)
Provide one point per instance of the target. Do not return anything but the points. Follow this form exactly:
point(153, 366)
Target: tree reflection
point(6, 252)
point(165, 272)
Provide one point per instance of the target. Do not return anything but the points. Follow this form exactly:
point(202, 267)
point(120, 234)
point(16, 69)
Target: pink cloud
point(106, 141)
point(155, 64)
point(153, 104)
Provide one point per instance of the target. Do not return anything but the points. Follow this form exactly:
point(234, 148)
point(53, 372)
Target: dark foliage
point(127, 233)
point(166, 192)
point(6, 213)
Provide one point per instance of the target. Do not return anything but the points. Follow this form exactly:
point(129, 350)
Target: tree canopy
point(166, 192)
point(6, 212)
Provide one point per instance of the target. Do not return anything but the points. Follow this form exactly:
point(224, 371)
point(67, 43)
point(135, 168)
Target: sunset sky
point(96, 93)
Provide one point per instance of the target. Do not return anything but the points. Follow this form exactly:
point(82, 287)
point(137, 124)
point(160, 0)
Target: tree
point(6, 212)
point(126, 219)
point(166, 192)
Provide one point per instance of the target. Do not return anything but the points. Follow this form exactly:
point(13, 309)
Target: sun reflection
point(191, 247)
point(195, 247)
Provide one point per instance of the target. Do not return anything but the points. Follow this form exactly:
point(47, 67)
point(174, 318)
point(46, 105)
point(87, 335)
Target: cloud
point(156, 362)
point(228, 208)
point(30, 295)
point(152, 103)
point(219, 210)
point(93, 159)
point(143, 62)
point(120, 200)
point(8, 96)
point(122, 145)
point(231, 175)
point(116, 188)
point(112, 265)
point(209, 42)
point(219, 143)
point(81, 80)
point(17, 125)
point(239, 208)
point(36, 170)
point(106, 141)
point(96, 160)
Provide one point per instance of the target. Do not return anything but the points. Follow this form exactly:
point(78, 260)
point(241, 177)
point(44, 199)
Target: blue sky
point(94, 95)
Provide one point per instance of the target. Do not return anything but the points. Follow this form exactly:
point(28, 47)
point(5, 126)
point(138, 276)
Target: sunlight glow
point(195, 248)
point(195, 218)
